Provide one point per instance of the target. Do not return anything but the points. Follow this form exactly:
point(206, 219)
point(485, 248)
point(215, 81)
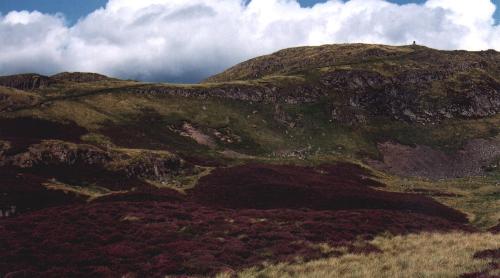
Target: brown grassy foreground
point(416, 255)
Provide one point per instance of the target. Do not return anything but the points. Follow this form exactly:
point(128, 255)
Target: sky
point(74, 9)
point(189, 40)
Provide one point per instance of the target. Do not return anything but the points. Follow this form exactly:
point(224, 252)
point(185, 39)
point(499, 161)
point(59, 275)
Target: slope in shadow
point(23, 132)
point(324, 188)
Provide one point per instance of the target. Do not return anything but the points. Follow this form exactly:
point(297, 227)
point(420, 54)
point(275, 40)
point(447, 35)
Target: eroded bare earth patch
point(423, 161)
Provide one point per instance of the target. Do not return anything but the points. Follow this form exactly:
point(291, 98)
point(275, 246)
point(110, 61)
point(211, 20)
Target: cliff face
point(411, 96)
point(412, 84)
point(54, 157)
point(27, 82)
point(419, 96)
point(32, 81)
point(409, 83)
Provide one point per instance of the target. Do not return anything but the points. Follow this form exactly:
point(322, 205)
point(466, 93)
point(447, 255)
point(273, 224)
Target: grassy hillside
point(388, 60)
point(365, 141)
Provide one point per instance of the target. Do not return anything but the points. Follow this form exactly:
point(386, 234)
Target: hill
point(356, 140)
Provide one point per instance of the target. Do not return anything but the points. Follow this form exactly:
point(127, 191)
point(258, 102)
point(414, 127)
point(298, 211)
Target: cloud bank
point(187, 40)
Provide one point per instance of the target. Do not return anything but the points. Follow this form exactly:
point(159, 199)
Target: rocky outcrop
point(80, 77)
point(411, 83)
point(406, 97)
point(26, 82)
point(53, 153)
point(358, 95)
point(156, 166)
point(266, 93)
point(144, 164)
point(32, 81)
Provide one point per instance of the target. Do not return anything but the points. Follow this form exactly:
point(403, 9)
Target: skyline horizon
point(186, 41)
point(206, 77)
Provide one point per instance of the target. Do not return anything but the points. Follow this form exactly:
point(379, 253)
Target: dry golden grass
point(89, 192)
point(17, 95)
point(421, 255)
point(131, 218)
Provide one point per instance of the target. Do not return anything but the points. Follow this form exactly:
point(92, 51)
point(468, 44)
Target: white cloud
point(186, 40)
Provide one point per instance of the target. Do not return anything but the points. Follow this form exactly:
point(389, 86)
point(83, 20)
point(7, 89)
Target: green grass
point(478, 197)
point(96, 107)
point(117, 116)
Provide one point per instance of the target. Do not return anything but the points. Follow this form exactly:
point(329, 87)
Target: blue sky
point(189, 40)
point(74, 9)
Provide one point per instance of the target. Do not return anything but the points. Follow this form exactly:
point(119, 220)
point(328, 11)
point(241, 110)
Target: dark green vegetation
point(417, 120)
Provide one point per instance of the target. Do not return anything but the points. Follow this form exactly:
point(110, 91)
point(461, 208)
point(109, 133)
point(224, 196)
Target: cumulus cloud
point(187, 40)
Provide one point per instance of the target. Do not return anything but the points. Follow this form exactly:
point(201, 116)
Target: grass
point(478, 197)
point(112, 103)
point(181, 183)
point(416, 255)
point(263, 138)
point(89, 192)
point(145, 123)
point(303, 59)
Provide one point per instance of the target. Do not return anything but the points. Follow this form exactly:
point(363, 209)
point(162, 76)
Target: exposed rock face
point(267, 93)
point(405, 97)
point(80, 77)
point(155, 166)
point(359, 94)
point(27, 82)
point(59, 153)
point(32, 81)
point(423, 161)
point(188, 130)
point(412, 83)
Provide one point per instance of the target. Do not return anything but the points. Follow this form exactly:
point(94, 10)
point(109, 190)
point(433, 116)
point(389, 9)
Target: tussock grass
point(417, 255)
